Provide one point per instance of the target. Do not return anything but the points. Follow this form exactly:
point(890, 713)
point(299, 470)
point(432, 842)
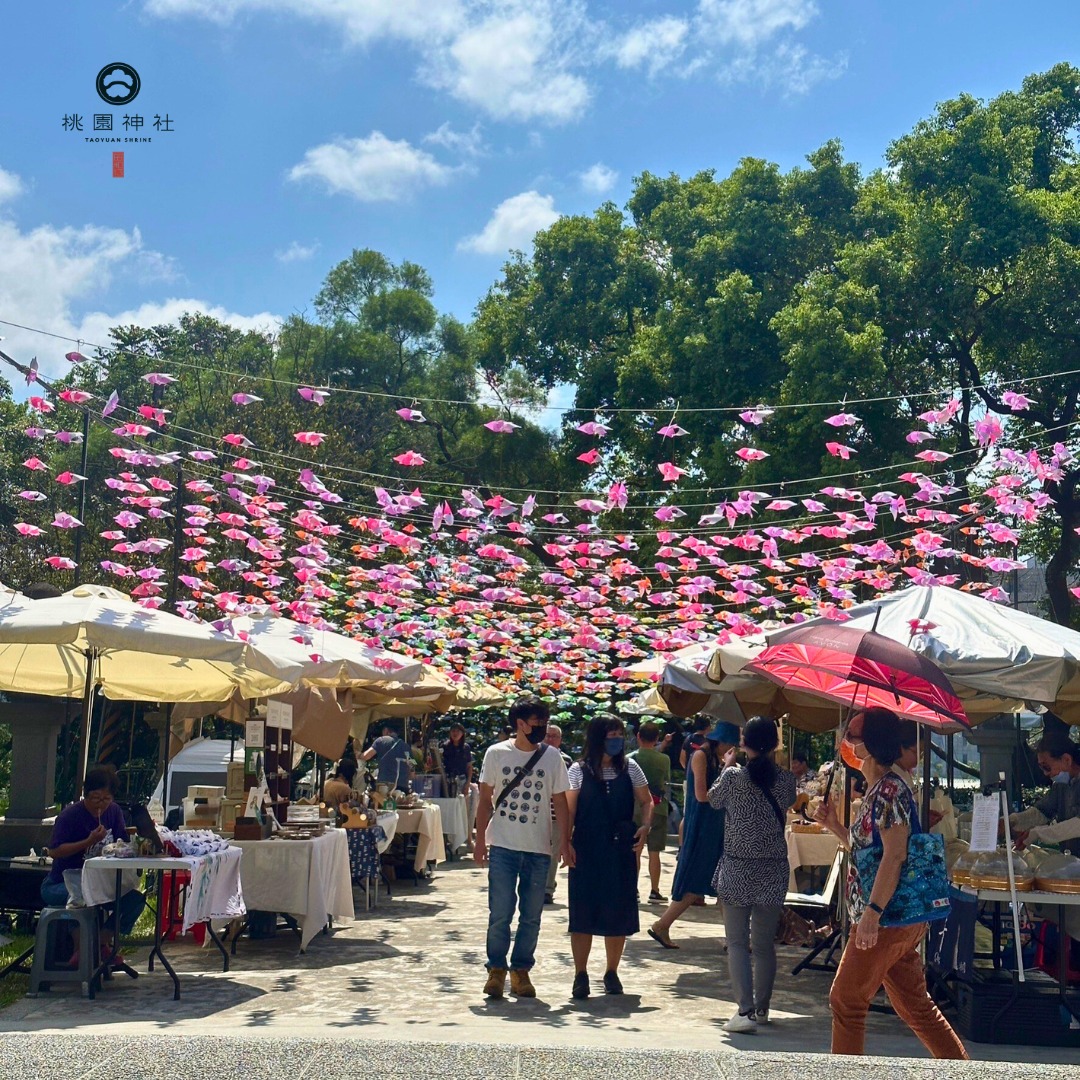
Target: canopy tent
point(201, 761)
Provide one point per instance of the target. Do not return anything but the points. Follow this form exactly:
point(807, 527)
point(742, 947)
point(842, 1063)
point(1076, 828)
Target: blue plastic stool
point(52, 949)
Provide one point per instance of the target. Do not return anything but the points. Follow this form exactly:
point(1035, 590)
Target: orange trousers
point(895, 963)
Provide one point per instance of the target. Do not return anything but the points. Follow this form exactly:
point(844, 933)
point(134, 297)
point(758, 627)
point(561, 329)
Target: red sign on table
point(118, 163)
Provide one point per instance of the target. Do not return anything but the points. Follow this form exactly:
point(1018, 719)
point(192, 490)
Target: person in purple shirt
point(79, 828)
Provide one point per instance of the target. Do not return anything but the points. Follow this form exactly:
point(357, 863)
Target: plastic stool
point(52, 949)
point(171, 916)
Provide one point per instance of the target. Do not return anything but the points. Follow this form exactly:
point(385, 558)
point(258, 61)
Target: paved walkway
point(410, 973)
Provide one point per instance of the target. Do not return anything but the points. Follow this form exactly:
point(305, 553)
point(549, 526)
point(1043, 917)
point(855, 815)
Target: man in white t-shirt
point(513, 838)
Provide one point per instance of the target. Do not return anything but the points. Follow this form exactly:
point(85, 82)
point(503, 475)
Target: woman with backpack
point(752, 877)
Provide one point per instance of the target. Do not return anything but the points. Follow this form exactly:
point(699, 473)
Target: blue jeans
point(523, 873)
point(55, 894)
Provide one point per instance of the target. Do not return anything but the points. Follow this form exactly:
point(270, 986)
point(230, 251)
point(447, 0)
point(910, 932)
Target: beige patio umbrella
point(98, 638)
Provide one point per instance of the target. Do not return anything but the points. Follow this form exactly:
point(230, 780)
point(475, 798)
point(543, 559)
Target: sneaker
point(741, 1024)
point(581, 986)
point(520, 984)
point(657, 897)
point(761, 1016)
point(612, 983)
point(549, 898)
point(496, 983)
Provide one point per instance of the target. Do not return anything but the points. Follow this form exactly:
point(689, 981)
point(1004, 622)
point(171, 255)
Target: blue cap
point(725, 733)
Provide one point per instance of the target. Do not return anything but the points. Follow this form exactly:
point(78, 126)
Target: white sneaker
point(741, 1025)
point(761, 1016)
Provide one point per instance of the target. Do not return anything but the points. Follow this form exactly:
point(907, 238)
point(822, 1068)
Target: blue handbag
point(922, 893)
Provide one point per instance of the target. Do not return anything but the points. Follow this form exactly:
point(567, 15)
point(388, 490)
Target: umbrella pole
point(168, 747)
point(1015, 905)
point(927, 740)
point(88, 713)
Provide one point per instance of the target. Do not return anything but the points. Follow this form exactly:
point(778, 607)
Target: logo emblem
point(118, 84)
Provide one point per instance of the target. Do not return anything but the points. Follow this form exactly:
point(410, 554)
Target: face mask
point(613, 746)
point(536, 735)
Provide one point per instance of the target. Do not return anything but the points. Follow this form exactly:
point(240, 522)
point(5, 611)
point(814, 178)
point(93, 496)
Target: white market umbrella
point(328, 658)
point(91, 637)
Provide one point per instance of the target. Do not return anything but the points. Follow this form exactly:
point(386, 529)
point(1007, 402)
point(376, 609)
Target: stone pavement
point(379, 991)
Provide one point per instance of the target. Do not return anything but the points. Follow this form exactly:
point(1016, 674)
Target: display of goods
point(1059, 872)
point(991, 871)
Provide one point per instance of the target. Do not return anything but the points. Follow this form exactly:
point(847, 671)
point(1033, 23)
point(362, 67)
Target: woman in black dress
point(604, 786)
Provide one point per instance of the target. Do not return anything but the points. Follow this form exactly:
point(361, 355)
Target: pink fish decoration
point(32, 372)
point(310, 438)
point(756, 416)
point(672, 431)
point(32, 496)
point(988, 430)
point(159, 378)
point(245, 399)
point(590, 457)
point(670, 471)
point(23, 529)
point(840, 450)
point(35, 463)
point(617, 495)
point(76, 357)
point(69, 478)
point(780, 504)
point(501, 427)
point(916, 437)
point(235, 439)
point(42, 405)
point(841, 419)
point(1016, 402)
point(410, 458)
point(58, 562)
point(592, 427)
point(591, 506)
point(316, 397)
point(933, 455)
point(75, 397)
point(202, 455)
point(110, 405)
point(748, 453)
point(133, 430)
point(413, 416)
point(69, 438)
point(668, 513)
point(66, 521)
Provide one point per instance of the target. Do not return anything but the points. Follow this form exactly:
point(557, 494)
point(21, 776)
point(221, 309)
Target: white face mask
point(1061, 778)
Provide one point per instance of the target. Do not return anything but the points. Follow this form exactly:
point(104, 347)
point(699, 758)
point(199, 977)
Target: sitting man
point(78, 830)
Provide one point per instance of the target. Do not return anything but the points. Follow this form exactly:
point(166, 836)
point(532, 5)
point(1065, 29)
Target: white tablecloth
point(388, 820)
point(214, 893)
point(455, 820)
point(307, 879)
point(427, 823)
point(809, 849)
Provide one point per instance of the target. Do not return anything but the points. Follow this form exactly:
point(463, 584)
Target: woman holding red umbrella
point(881, 955)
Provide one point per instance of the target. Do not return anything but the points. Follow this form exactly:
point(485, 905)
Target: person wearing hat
point(703, 833)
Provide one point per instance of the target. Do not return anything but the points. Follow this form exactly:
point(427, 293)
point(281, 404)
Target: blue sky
point(441, 131)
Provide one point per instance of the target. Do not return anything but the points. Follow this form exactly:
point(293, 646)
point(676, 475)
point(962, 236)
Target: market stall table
point(214, 893)
point(455, 820)
point(426, 822)
point(809, 849)
point(308, 880)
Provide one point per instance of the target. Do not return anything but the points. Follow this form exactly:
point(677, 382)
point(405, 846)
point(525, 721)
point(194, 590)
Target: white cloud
point(375, 169)
point(598, 179)
point(296, 252)
point(749, 23)
point(791, 68)
point(466, 143)
point(653, 45)
point(10, 186)
point(513, 224)
point(50, 277)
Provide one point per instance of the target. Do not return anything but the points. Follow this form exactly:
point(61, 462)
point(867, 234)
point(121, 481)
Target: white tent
point(202, 761)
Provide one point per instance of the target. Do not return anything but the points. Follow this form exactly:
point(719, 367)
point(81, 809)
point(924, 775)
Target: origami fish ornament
point(916, 437)
point(1016, 402)
point(32, 371)
point(69, 478)
point(501, 427)
point(24, 529)
point(316, 397)
point(42, 405)
point(58, 562)
point(672, 431)
point(617, 495)
point(988, 430)
point(410, 458)
point(412, 416)
point(590, 457)
point(235, 439)
point(76, 358)
point(841, 419)
point(245, 399)
point(756, 416)
point(110, 405)
point(35, 463)
point(748, 453)
point(32, 496)
point(670, 471)
point(63, 520)
point(840, 450)
point(75, 397)
point(159, 378)
point(592, 427)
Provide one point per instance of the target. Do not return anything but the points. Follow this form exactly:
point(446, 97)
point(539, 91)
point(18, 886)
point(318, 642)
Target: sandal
point(664, 941)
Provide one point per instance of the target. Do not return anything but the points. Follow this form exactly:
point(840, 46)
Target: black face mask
point(536, 735)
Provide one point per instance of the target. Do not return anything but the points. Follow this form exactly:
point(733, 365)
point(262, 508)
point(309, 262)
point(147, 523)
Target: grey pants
point(745, 927)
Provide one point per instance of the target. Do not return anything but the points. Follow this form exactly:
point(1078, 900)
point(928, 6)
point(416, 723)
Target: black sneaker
point(581, 986)
point(612, 985)
point(549, 898)
point(656, 897)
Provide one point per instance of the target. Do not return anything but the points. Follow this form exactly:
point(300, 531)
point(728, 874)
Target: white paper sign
point(278, 714)
point(253, 733)
point(984, 822)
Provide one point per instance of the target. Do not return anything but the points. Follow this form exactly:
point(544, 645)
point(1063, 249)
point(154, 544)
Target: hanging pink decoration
point(316, 397)
point(245, 399)
point(110, 405)
point(916, 437)
point(590, 457)
point(35, 463)
point(64, 520)
point(501, 427)
point(58, 562)
point(988, 430)
point(748, 453)
point(756, 416)
point(410, 458)
point(32, 496)
point(592, 427)
point(670, 471)
point(236, 439)
point(76, 357)
point(840, 450)
point(413, 416)
point(841, 419)
point(42, 405)
point(159, 378)
point(32, 371)
point(1016, 402)
point(23, 529)
point(69, 478)
point(76, 397)
point(672, 431)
